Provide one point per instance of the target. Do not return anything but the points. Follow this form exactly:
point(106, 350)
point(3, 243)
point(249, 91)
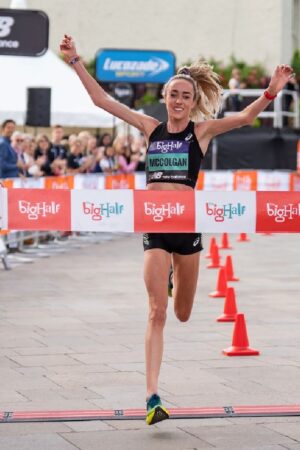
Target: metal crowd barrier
point(277, 115)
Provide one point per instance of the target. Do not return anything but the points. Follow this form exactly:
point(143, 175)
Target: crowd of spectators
point(255, 80)
point(25, 155)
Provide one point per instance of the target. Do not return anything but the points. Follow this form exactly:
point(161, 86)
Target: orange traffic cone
point(221, 285)
point(230, 309)
point(213, 243)
point(215, 259)
point(229, 269)
point(240, 343)
point(225, 242)
point(243, 238)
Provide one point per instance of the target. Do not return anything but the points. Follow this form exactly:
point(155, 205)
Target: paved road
point(72, 329)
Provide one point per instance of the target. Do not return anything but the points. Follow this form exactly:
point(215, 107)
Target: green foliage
point(91, 66)
point(250, 73)
point(296, 62)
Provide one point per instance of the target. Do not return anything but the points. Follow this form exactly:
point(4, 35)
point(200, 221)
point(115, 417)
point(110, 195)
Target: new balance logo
point(5, 26)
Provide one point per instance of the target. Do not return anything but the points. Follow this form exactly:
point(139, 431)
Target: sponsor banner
point(15, 38)
point(134, 66)
point(232, 212)
point(121, 181)
point(7, 183)
point(273, 181)
point(245, 180)
point(207, 180)
point(295, 182)
point(164, 211)
point(3, 209)
point(29, 183)
point(102, 210)
point(39, 209)
point(218, 180)
point(200, 181)
point(278, 211)
point(63, 182)
point(140, 180)
point(89, 181)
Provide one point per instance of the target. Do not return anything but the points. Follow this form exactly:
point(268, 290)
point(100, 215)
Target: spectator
point(32, 167)
point(109, 163)
point(287, 100)
point(9, 164)
point(127, 161)
point(234, 84)
point(75, 159)
point(84, 137)
point(57, 151)
point(94, 155)
point(105, 140)
point(139, 148)
point(17, 140)
point(41, 154)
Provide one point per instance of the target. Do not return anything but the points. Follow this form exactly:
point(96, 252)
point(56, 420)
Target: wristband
point(74, 60)
point(269, 96)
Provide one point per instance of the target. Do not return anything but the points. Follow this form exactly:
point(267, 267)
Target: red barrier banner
point(164, 211)
point(39, 209)
point(278, 212)
point(149, 211)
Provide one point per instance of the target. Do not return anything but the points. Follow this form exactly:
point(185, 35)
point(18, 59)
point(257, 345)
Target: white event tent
point(70, 103)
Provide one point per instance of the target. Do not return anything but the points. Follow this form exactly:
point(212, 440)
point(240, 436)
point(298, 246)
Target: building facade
point(266, 31)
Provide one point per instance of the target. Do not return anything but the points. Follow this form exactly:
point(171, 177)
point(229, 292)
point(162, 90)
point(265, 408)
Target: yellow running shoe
point(155, 411)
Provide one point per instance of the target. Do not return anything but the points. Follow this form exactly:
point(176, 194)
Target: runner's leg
point(186, 270)
point(156, 272)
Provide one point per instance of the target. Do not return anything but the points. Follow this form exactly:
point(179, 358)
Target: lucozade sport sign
point(149, 211)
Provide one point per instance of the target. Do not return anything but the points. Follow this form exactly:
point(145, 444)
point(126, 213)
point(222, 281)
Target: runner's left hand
point(282, 74)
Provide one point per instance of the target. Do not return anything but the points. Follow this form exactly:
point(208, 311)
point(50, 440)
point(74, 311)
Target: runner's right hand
point(67, 46)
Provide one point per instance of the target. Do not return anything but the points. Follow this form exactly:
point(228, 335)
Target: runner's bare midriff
point(168, 187)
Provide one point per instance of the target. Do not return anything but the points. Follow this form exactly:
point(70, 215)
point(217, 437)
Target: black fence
point(255, 148)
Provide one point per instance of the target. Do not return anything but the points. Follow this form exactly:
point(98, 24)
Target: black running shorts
point(181, 243)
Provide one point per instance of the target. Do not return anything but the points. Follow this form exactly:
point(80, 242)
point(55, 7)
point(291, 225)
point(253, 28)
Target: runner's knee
point(158, 314)
point(183, 316)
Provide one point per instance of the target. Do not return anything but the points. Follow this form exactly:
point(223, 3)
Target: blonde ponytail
point(207, 88)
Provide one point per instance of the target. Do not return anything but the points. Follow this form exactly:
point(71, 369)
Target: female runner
point(175, 151)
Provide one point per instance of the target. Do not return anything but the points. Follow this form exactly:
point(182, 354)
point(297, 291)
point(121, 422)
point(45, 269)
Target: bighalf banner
point(127, 210)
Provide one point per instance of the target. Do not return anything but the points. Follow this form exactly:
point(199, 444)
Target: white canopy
point(70, 103)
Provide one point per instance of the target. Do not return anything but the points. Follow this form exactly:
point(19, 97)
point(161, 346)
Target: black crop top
point(173, 157)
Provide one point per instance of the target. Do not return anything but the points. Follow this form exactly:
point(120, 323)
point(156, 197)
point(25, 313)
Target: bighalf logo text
point(163, 211)
point(39, 209)
point(281, 213)
point(227, 211)
point(103, 210)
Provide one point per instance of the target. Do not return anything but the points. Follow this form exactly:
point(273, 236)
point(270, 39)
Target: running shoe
point(155, 411)
point(170, 284)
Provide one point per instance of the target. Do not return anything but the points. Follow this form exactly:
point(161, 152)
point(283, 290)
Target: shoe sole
point(157, 414)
